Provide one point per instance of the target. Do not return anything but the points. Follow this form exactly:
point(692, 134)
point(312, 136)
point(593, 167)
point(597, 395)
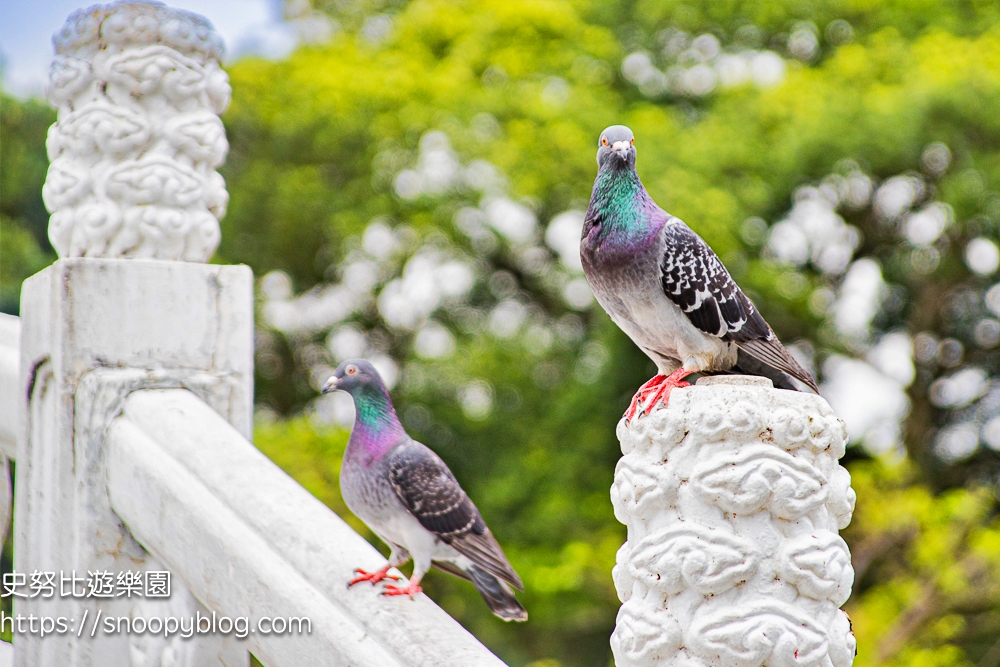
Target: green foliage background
point(318, 138)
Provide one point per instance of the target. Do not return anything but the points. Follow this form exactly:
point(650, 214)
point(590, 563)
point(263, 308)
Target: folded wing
point(429, 490)
point(693, 277)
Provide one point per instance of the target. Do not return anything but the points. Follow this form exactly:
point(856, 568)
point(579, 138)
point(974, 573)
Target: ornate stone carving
point(133, 154)
point(733, 497)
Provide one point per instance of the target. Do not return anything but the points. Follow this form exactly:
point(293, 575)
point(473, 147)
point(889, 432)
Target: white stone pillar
point(138, 138)
point(132, 182)
point(733, 498)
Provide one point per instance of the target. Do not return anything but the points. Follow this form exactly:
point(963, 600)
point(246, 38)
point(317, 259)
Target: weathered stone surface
point(733, 498)
point(249, 541)
point(93, 330)
point(133, 153)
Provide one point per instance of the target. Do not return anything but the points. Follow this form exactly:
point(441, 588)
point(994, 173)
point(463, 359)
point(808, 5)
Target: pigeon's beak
point(622, 148)
point(330, 385)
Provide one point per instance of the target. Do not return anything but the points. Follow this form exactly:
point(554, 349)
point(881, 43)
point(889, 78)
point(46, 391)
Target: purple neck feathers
point(376, 427)
point(621, 214)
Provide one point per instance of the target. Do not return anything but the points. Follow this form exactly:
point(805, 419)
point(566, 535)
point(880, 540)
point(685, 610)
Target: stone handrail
point(248, 541)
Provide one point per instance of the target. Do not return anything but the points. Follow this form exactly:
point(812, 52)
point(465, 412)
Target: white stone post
point(733, 498)
point(133, 155)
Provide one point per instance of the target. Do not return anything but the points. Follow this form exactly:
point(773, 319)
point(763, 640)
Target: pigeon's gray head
point(616, 147)
point(352, 376)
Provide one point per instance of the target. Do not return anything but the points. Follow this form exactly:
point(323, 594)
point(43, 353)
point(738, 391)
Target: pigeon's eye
point(352, 370)
point(632, 142)
point(604, 141)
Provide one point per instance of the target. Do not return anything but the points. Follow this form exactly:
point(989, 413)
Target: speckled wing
point(694, 278)
point(429, 490)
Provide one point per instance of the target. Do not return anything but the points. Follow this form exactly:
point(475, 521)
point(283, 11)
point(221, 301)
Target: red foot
point(373, 577)
point(640, 396)
point(659, 387)
point(410, 589)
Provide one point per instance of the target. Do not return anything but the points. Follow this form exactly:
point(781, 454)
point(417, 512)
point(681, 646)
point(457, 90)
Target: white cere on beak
point(622, 148)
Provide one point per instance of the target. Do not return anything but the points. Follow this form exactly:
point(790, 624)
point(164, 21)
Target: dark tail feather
point(747, 365)
point(497, 595)
point(770, 359)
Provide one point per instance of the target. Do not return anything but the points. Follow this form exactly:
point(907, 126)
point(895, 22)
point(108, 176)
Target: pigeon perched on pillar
point(407, 495)
point(666, 288)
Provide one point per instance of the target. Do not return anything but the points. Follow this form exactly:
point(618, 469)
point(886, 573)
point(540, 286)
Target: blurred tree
point(24, 243)
point(412, 191)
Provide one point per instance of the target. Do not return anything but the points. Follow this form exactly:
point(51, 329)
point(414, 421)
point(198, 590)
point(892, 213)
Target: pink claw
point(660, 387)
point(373, 577)
point(410, 589)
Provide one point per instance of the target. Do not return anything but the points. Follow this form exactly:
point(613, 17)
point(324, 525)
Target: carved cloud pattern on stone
point(733, 495)
point(687, 554)
point(819, 565)
point(138, 88)
point(644, 635)
point(640, 488)
point(761, 477)
point(767, 633)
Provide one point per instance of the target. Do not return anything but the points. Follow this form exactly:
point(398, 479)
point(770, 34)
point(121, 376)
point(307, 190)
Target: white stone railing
point(123, 467)
point(126, 391)
point(733, 498)
point(249, 541)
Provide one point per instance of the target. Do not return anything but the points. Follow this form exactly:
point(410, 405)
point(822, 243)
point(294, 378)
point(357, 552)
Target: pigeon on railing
point(666, 289)
point(407, 495)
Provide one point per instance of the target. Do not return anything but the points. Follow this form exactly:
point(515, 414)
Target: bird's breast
point(367, 491)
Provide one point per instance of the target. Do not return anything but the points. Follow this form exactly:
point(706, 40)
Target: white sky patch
point(926, 225)
point(476, 399)
point(893, 357)
point(439, 170)
point(897, 194)
point(387, 368)
point(276, 285)
point(455, 278)
point(767, 69)
point(378, 240)
point(434, 341)
point(991, 434)
point(507, 318)
point(334, 408)
point(514, 221)
point(347, 342)
point(813, 231)
point(360, 275)
point(246, 26)
point(982, 256)
point(406, 302)
point(957, 441)
point(958, 389)
point(859, 298)
point(315, 310)
point(873, 405)
point(702, 68)
point(578, 294)
point(563, 235)
point(992, 299)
